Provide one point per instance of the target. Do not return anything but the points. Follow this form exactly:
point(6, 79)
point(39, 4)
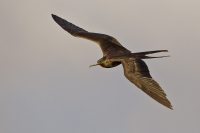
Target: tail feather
point(150, 57)
point(150, 52)
point(142, 55)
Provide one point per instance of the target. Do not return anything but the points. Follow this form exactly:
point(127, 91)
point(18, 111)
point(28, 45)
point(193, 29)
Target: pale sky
point(46, 85)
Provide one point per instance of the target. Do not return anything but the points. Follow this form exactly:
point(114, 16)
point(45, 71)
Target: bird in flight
point(114, 54)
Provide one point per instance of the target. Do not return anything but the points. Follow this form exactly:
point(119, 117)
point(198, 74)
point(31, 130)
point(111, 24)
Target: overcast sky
point(47, 87)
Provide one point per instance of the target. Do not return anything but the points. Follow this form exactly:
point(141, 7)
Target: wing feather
point(153, 89)
point(137, 72)
point(107, 43)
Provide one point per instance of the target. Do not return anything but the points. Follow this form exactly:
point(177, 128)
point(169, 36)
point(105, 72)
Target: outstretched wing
point(137, 72)
point(107, 43)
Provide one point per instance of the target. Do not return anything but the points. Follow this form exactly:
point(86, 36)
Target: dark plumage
point(135, 69)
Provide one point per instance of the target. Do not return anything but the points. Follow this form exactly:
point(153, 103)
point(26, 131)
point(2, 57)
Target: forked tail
point(142, 55)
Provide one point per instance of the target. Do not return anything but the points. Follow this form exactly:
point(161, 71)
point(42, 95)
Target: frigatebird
point(114, 54)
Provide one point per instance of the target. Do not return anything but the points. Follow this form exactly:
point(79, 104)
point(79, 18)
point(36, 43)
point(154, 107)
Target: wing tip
point(54, 16)
point(169, 106)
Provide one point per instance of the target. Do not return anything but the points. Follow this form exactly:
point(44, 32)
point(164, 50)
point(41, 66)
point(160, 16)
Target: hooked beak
point(93, 65)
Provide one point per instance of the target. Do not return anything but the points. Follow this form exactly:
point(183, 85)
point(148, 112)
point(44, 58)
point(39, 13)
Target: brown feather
point(137, 72)
point(108, 44)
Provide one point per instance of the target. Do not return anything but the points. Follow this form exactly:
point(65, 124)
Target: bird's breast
point(109, 64)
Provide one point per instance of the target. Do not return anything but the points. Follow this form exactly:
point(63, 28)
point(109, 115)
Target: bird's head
point(101, 62)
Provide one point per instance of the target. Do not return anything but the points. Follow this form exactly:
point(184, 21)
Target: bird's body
point(114, 54)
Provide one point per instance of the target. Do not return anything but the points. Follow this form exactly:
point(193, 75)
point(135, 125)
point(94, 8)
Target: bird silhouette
point(114, 54)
